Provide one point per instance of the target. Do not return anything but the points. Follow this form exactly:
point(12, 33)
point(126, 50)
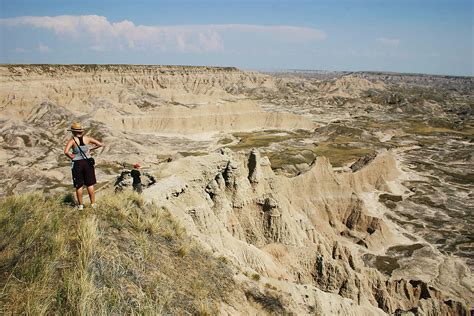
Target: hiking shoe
point(94, 206)
point(80, 207)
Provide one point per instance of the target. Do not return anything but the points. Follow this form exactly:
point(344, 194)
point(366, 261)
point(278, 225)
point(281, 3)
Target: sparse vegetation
point(125, 257)
point(256, 277)
point(269, 301)
point(225, 141)
point(192, 153)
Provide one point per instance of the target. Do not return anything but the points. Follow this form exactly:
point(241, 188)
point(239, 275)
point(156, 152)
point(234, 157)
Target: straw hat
point(76, 127)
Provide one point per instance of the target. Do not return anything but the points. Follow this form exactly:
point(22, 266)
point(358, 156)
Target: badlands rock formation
point(329, 192)
point(145, 99)
point(316, 229)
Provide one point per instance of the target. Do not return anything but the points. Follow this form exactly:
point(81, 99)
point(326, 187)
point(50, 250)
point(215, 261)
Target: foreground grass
point(125, 257)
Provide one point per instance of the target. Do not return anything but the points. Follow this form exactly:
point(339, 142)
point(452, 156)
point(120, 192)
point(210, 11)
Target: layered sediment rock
point(167, 99)
point(144, 98)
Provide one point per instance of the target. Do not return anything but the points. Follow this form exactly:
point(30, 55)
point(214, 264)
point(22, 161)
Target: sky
point(415, 36)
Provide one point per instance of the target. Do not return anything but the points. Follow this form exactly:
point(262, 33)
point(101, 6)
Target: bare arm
point(95, 142)
point(68, 148)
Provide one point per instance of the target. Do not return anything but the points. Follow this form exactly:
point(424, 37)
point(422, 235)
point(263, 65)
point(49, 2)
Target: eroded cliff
point(318, 229)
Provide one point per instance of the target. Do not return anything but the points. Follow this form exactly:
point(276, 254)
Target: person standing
point(136, 176)
point(78, 149)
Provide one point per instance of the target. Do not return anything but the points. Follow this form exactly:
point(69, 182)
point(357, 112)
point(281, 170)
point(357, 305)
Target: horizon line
point(257, 69)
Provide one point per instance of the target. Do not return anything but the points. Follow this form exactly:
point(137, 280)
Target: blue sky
point(424, 36)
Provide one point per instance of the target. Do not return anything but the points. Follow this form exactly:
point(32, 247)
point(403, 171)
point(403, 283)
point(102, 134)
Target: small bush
point(223, 259)
point(268, 301)
point(69, 199)
point(256, 277)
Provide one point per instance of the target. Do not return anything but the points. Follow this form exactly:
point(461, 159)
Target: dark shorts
point(137, 187)
point(82, 174)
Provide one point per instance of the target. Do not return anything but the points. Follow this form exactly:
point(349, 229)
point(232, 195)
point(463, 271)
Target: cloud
point(20, 50)
point(101, 34)
point(43, 48)
point(389, 42)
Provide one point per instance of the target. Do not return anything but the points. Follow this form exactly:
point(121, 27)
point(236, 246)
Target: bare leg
point(90, 190)
point(79, 195)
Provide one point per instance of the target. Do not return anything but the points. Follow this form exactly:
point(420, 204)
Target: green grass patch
point(341, 154)
point(290, 156)
point(261, 139)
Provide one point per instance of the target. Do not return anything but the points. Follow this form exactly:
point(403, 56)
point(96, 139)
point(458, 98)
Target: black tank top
point(135, 176)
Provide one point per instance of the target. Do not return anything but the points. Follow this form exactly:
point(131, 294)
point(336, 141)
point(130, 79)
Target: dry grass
point(125, 257)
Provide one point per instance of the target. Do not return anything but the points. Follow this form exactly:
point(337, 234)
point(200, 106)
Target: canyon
point(326, 192)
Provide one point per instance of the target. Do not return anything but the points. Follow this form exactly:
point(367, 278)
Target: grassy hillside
point(125, 257)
